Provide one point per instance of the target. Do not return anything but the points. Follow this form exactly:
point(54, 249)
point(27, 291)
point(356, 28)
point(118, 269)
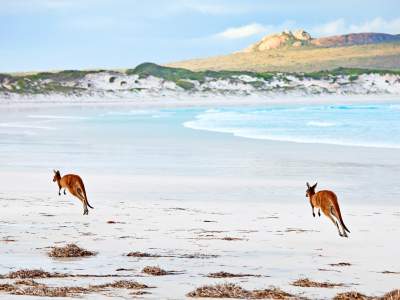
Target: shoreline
point(193, 101)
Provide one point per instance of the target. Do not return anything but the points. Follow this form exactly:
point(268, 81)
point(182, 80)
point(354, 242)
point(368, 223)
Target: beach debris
point(155, 271)
point(351, 296)
point(341, 264)
point(194, 255)
point(298, 230)
point(41, 290)
point(33, 288)
point(197, 255)
point(26, 273)
point(227, 290)
point(8, 239)
point(121, 284)
point(30, 282)
point(139, 293)
point(223, 274)
point(39, 273)
point(328, 270)
point(305, 282)
point(141, 254)
point(114, 222)
point(124, 269)
point(70, 250)
point(390, 272)
point(393, 295)
point(177, 208)
point(228, 238)
point(230, 290)
point(6, 287)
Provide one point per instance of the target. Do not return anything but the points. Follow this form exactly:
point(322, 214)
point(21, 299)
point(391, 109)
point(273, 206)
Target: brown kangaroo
point(75, 186)
point(327, 202)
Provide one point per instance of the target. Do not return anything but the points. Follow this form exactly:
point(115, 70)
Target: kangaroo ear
point(315, 185)
point(54, 171)
point(308, 185)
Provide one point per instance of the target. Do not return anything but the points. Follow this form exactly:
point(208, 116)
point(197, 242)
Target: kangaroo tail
point(84, 193)
point(336, 205)
point(87, 202)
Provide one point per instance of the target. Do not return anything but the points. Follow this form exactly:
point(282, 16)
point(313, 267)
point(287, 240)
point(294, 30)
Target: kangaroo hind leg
point(336, 215)
point(74, 192)
point(83, 199)
point(336, 224)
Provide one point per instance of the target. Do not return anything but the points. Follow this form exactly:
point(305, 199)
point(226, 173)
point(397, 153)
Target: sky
point(37, 35)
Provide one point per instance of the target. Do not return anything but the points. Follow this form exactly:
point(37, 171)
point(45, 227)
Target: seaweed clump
point(70, 250)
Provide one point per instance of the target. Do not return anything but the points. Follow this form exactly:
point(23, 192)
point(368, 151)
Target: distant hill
point(297, 51)
point(301, 38)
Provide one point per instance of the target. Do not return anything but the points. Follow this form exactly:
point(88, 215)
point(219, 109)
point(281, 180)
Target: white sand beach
point(203, 201)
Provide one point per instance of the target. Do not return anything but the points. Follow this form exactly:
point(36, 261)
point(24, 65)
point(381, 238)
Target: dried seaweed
point(229, 290)
point(305, 282)
point(70, 250)
point(223, 274)
point(155, 271)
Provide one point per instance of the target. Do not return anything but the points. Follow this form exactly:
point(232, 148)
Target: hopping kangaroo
point(327, 202)
point(75, 186)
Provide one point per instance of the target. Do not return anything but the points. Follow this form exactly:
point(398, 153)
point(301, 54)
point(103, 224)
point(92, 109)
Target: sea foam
point(350, 125)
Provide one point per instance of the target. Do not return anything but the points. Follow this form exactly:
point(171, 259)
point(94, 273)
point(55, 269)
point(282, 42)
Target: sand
point(204, 203)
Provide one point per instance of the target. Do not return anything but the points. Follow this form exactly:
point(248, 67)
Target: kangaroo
point(327, 202)
point(75, 186)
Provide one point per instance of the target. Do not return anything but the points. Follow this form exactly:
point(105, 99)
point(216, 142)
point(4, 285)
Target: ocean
point(115, 137)
point(375, 125)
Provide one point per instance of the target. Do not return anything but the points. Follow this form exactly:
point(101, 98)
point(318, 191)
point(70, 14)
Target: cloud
point(340, 26)
point(253, 29)
point(242, 31)
point(377, 25)
point(330, 28)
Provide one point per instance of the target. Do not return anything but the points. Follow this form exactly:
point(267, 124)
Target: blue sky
point(75, 34)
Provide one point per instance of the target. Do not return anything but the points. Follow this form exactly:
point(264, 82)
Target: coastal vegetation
point(150, 76)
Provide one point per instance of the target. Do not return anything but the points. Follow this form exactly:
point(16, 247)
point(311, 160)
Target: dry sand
point(179, 239)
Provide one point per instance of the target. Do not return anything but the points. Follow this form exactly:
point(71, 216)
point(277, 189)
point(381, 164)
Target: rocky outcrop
point(286, 38)
point(300, 38)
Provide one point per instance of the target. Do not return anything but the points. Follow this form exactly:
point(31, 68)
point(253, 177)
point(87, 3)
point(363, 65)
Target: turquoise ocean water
point(352, 125)
point(113, 137)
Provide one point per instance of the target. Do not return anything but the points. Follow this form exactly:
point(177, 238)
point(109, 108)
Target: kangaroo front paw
point(313, 214)
point(59, 194)
point(319, 213)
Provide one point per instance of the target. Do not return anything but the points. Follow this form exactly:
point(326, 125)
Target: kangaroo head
point(57, 175)
point(310, 189)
